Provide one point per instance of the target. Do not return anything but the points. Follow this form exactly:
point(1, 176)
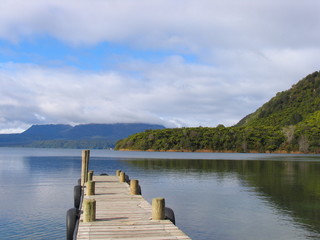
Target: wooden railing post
point(122, 177)
point(158, 209)
point(85, 166)
point(90, 175)
point(89, 210)
point(118, 173)
point(134, 187)
point(87, 157)
point(90, 188)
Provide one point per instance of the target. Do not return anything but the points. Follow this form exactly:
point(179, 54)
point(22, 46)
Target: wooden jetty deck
point(121, 215)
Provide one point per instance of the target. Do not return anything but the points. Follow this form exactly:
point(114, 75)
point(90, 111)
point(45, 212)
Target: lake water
point(214, 195)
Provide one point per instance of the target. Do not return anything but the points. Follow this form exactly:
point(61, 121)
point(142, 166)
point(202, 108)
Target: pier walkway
point(121, 215)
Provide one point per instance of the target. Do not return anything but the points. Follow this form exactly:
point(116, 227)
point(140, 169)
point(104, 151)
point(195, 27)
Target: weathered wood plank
point(120, 215)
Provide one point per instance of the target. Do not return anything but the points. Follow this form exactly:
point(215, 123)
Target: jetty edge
point(111, 207)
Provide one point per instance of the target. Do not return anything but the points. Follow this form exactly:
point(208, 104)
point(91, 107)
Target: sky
point(179, 63)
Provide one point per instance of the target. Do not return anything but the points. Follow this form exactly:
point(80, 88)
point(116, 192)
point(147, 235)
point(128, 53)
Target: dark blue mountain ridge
point(79, 136)
point(48, 131)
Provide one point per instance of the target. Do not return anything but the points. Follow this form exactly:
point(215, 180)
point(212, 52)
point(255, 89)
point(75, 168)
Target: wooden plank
point(120, 215)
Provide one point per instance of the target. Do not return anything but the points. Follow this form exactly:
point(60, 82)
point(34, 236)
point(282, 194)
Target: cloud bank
point(193, 25)
point(220, 60)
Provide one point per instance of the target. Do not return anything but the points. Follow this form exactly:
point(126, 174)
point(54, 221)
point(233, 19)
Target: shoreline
point(212, 151)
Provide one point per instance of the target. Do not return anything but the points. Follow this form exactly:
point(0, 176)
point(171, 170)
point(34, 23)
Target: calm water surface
point(214, 195)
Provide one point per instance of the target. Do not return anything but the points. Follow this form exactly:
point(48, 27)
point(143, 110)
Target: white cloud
point(174, 93)
point(245, 51)
point(164, 23)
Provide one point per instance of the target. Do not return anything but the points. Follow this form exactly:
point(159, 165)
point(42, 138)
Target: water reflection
point(36, 191)
point(235, 197)
point(290, 187)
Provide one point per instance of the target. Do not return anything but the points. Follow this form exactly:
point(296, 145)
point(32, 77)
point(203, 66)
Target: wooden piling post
point(87, 157)
point(122, 177)
point(84, 166)
point(89, 210)
point(90, 175)
point(118, 173)
point(134, 187)
point(158, 209)
point(90, 188)
point(83, 169)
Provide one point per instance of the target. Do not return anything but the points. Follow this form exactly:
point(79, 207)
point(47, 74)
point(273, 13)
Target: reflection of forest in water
point(290, 186)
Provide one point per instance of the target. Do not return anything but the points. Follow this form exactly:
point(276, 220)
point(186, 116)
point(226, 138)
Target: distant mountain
point(289, 122)
point(50, 131)
point(80, 136)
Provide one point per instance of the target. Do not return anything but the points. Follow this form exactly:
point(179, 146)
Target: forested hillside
point(288, 107)
point(289, 122)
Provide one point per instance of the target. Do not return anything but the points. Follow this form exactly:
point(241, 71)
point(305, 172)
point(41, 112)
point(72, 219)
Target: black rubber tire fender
point(71, 221)
point(169, 214)
point(77, 192)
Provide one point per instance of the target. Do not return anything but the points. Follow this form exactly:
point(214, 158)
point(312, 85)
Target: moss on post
point(90, 188)
point(89, 210)
point(90, 175)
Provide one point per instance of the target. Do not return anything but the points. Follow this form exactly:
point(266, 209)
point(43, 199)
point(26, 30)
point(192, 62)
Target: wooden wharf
point(121, 213)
